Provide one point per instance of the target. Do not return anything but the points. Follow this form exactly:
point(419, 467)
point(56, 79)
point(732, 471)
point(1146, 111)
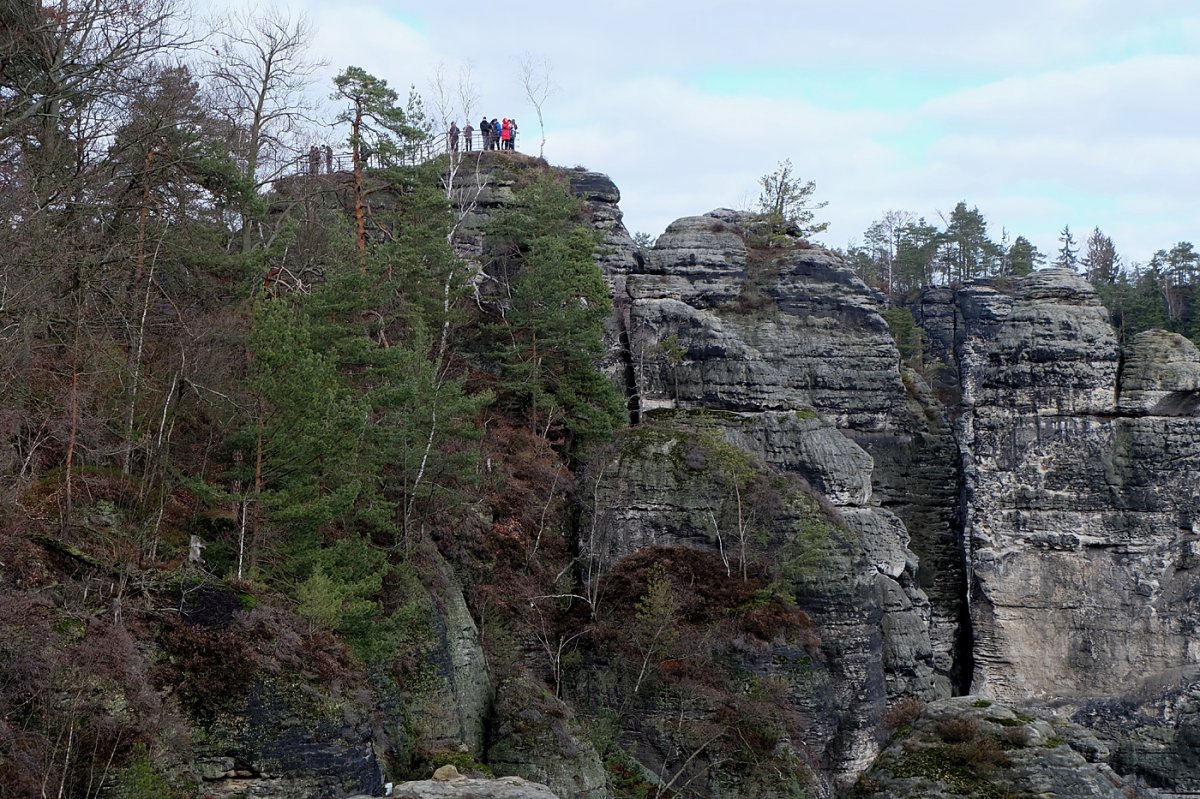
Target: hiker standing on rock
point(454, 136)
point(485, 130)
point(467, 131)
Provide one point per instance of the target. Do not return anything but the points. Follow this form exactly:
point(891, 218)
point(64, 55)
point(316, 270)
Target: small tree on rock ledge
point(786, 203)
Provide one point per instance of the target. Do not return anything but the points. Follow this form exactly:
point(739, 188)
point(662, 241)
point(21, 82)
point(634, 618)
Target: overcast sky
point(1042, 113)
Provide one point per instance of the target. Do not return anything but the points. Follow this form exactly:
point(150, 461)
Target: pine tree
point(786, 203)
point(968, 252)
point(379, 128)
point(1068, 252)
point(1023, 257)
point(1101, 263)
point(559, 304)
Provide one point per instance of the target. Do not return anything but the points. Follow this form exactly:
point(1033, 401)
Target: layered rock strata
point(1081, 483)
point(784, 353)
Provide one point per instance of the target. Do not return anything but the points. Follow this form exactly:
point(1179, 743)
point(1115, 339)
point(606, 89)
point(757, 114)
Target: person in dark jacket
point(495, 134)
point(467, 131)
point(512, 135)
point(452, 136)
point(485, 131)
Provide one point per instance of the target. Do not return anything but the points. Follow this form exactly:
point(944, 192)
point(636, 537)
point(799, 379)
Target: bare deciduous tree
point(452, 100)
point(68, 72)
point(537, 82)
point(260, 74)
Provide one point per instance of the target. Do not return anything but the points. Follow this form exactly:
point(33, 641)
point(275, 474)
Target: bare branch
point(538, 84)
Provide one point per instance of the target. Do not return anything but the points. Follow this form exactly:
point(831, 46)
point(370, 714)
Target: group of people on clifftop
point(494, 134)
point(317, 154)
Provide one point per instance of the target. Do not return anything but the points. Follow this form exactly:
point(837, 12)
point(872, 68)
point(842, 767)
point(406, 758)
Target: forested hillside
point(241, 400)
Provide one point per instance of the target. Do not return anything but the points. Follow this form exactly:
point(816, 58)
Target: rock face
point(754, 331)
point(1081, 494)
point(503, 788)
point(1063, 475)
point(967, 746)
point(715, 322)
point(534, 737)
point(783, 353)
point(286, 740)
point(1017, 520)
point(448, 706)
point(1160, 376)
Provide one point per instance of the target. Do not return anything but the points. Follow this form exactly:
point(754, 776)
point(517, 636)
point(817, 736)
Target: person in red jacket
point(505, 135)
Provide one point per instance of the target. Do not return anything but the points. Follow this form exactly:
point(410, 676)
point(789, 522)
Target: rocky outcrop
point(466, 788)
point(1153, 733)
point(449, 700)
point(1017, 519)
point(1160, 376)
point(972, 747)
point(287, 739)
point(716, 323)
point(783, 354)
point(1081, 519)
point(535, 737)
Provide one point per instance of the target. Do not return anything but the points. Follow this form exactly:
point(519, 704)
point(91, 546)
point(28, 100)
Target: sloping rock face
point(449, 702)
point(1082, 494)
point(535, 737)
point(846, 566)
point(968, 746)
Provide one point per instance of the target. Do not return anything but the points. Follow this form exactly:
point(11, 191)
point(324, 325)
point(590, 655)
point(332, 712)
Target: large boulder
point(971, 747)
point(466, 788)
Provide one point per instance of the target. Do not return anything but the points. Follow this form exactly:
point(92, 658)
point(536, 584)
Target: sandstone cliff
point(1015, 518)
point(752, 590)
point(1081, 466)
point(1061, 471)
point(783, 354)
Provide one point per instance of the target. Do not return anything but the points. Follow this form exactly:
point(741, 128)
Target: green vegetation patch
point(949, 765)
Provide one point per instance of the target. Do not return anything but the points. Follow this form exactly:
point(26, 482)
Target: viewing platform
point(319, 163)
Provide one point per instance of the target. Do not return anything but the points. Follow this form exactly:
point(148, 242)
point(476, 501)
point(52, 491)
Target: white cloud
point(1152, 93)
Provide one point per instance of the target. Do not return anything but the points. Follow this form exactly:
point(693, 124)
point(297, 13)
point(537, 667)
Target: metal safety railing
point(322, 160)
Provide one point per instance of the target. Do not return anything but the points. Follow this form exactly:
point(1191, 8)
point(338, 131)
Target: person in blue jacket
point(495, 134)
